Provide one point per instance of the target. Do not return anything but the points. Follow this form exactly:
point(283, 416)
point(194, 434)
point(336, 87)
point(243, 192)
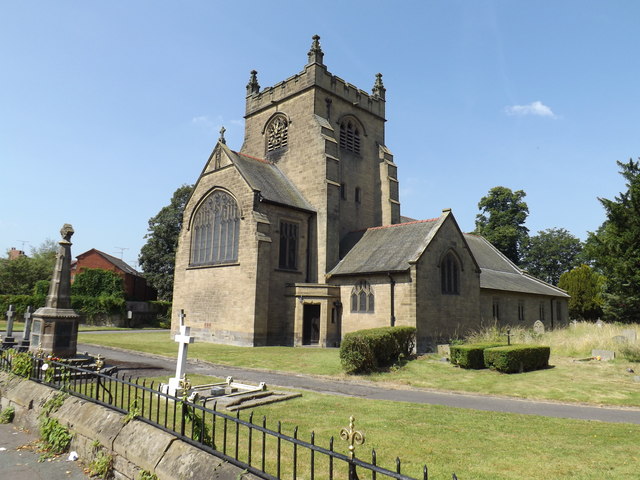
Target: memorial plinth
point(55, 326)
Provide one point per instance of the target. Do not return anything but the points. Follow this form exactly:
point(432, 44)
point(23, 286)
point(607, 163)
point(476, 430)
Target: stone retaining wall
point(135, 446)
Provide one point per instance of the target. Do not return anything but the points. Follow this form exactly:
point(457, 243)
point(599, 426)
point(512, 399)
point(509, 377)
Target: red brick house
point(135, 285)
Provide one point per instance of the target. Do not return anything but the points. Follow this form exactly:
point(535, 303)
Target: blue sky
point(108, 107)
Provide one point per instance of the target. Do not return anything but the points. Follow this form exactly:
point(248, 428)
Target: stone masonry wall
point(135, 446)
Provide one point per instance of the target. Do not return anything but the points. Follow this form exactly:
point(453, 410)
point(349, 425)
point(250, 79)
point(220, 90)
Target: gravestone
point(55, 326)
point(631, 334)
point(599, 323)
point(620, 339)
point(9, 341)
point(604, 355)
point(26, 335)
point(538, 327)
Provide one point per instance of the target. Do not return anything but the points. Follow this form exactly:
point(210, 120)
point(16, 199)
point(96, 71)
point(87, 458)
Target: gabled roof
point(391, 248)
point(120, 264)
point(266, 178)
point(499, 273)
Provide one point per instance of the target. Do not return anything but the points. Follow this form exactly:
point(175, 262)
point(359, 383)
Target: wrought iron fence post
point(354, 437)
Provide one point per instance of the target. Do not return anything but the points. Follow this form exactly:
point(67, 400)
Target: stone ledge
point(135, 446)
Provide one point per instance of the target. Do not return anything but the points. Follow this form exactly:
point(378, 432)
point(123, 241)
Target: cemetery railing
point(250, 445)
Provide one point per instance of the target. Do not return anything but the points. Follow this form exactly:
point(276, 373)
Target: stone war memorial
point(298, 238)
point(55, 326)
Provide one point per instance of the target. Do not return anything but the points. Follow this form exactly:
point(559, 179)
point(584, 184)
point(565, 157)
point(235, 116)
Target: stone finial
point(253, 86)
point(222, 139)
point(378, 88)
point(315, 53)
point(67, 232)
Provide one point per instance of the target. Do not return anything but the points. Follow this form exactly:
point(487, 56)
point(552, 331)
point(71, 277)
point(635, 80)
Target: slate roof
point(266, 178)
point(499, 273)
point(391, 248)
point(115, 261)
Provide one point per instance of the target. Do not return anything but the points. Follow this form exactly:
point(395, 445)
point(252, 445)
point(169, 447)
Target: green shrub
point(21, 364)
point(7, 414)
point(517, 358)
point(470, 356)
point(368, 350)
point(91, 306)
point(21, 302)
point(55, 438)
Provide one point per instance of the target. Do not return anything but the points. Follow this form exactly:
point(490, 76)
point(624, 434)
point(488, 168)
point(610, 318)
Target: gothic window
point(288, 246)
point(558, 311)
point(450, 275)
point(521, 310)
point(496, 310)
point(277, 133)
point(362, 298)
point(358, 195)
point(215, 230)
point(349, 136)
point(541, 316)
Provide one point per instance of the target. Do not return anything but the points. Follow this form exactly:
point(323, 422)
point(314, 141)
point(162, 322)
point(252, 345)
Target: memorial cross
point(183, 339)
point(10, 314)
point(28, 315)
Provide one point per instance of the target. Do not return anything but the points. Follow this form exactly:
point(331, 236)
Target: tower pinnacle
point(253, 86)
point(378, 88)
point(315, 53)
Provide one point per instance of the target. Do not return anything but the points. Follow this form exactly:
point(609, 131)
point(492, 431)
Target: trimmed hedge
point(368, 350)
point(470, 356)
point(517, 358)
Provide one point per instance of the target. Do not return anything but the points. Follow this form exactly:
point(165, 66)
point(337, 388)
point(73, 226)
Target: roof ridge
point(400, 224)
point(253, 158)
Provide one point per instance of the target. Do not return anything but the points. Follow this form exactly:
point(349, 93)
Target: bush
point(368, 350)
point(91, 306)
point(517, 358)
point(470, 356)
point(20, 303)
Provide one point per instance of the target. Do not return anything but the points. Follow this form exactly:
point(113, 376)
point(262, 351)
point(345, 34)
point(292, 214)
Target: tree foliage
point(615, 248)
point(19, 276)
point(550, 253)
point(96, 282)
point(585, 286)
point(157, 256)
point(501, 220)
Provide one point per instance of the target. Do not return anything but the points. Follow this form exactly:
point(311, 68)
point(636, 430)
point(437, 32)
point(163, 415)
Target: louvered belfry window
point(277, 133)
point(349, 137)
point(215, 231)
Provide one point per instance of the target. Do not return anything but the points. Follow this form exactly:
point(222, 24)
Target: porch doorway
point(311, 325)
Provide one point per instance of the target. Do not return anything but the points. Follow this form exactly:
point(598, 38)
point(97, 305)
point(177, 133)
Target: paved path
point(19, 460)
point(138, 364)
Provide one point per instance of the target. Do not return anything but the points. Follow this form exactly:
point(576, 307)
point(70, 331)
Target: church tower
point(327, 137)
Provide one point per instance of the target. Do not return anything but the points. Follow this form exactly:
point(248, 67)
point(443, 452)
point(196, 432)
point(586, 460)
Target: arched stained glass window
point(450, 274)
point(215, 230)
point(362, 298)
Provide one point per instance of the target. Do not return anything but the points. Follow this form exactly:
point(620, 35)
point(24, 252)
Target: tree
point(19, 276)
point(501, 221)
point(615, 248)
point(550, 253)
point(157, 256)
point(585, 286)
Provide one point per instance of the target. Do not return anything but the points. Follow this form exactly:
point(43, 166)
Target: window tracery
point(349, 136)
point(277, 133)
point(450, 274)
point(362, 298)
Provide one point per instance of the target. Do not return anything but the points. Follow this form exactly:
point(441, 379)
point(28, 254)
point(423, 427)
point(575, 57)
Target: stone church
point(297, 238)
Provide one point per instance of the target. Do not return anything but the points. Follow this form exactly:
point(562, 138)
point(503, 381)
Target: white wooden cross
point(183, 338)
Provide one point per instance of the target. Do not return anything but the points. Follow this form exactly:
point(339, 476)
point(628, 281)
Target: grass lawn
point(605, 383)
point(473, 444)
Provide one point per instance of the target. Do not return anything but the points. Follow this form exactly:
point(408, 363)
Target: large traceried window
point(349, 136)
point(215, 231)
point(277, 133)
point(362, 298)
point(450, 274)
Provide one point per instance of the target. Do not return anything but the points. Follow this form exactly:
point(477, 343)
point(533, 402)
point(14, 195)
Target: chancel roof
point(391, 248)
point(267, 179)
point(499, 273)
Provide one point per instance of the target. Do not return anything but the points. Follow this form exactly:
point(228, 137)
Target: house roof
point(391, 248)
point(111, 259)
point(267, 179)
point(499, 273)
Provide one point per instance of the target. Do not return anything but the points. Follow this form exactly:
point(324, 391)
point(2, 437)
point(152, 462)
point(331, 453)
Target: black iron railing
point(248, 444)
